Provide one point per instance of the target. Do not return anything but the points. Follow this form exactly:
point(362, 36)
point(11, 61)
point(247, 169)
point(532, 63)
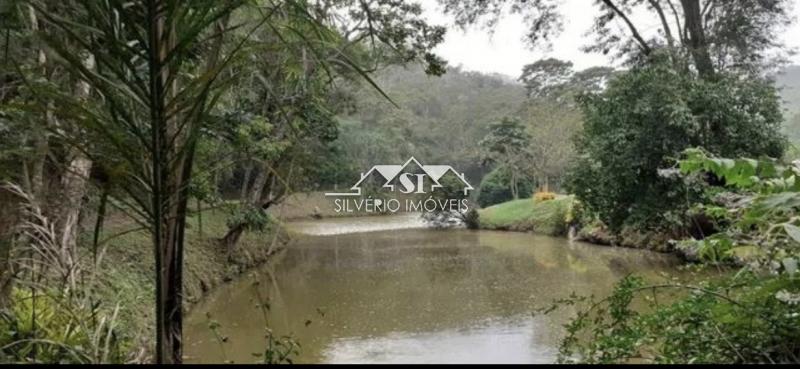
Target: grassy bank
point(130, 282)
point(527, 215)
point(552, 217)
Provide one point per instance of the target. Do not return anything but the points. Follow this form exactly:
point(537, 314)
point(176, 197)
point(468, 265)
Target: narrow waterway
point(388, 290)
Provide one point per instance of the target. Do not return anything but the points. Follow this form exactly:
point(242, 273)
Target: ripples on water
point(385, 290)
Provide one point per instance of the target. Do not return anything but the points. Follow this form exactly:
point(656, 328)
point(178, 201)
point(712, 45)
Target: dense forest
point(146, 146)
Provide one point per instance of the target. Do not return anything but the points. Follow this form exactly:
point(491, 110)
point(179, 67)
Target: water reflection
point(344, 225)
point(509, 341)
point(413, 295)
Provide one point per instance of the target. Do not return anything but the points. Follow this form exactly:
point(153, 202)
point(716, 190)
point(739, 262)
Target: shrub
point(46, 327)
point(472, 219)
point(747, 318)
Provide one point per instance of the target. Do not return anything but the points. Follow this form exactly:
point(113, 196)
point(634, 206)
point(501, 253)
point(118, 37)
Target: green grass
point(128, 268)
point(546, 217)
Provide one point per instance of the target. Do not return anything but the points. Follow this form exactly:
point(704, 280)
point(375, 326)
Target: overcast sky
point(505, 52)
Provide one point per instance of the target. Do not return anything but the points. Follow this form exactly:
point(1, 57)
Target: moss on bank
point(547, 217)
point(128, 275)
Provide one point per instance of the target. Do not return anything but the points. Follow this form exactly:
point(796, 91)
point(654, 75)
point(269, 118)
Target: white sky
point(505, 52)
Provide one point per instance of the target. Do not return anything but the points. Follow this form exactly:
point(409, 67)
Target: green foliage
point(546, 76)
point(763, 176)
point(506, 140)
point(764, 218)
point(255, 219)
point(551, 116)
point(552, 125)
point(254, 135)
point(452, 188)
point(645, 119)
point(746, 318)
point(508, 146)
point(333, 168)
point(279, 350)
point(45, 327)
point(555, 79)
point(496, 187)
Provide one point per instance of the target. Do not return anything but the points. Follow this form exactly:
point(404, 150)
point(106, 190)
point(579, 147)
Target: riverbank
point(315, 205)
point(554, 217)
point(527, 215)
point(130, 283)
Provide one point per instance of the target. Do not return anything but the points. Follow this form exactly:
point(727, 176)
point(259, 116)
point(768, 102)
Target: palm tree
point(153, 97)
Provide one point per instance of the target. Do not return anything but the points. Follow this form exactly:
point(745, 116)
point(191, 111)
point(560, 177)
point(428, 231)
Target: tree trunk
point(170, 282)
point(167, 225)
point(257, 189)
point(73, 185)
point(235, 232)
point(98, 224)
point(664, 24)
point(41, 145)
point(245, 182)
point(257, 196)
point(231, 237)
point(173, 138)
point(514, 190)
point(696, 39)
point(7, 272)
point(667, 31)
point(199, 218)
point(41, 148)
point(73, 189)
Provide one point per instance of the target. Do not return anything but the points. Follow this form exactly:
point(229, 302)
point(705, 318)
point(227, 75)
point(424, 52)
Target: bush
point(46, 327)
point(496, 187)
point(472, 219)
point(747, 318)
point(645, 119)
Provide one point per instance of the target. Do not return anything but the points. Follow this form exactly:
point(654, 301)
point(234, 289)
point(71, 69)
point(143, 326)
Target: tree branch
point(636, 35)
point(663, 18)
point(677, 20)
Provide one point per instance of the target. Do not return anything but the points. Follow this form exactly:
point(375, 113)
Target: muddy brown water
point(387, 290)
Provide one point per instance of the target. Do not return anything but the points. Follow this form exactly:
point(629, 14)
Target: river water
point(387, 290)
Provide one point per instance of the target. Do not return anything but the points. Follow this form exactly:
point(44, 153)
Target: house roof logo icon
point(392, 171)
